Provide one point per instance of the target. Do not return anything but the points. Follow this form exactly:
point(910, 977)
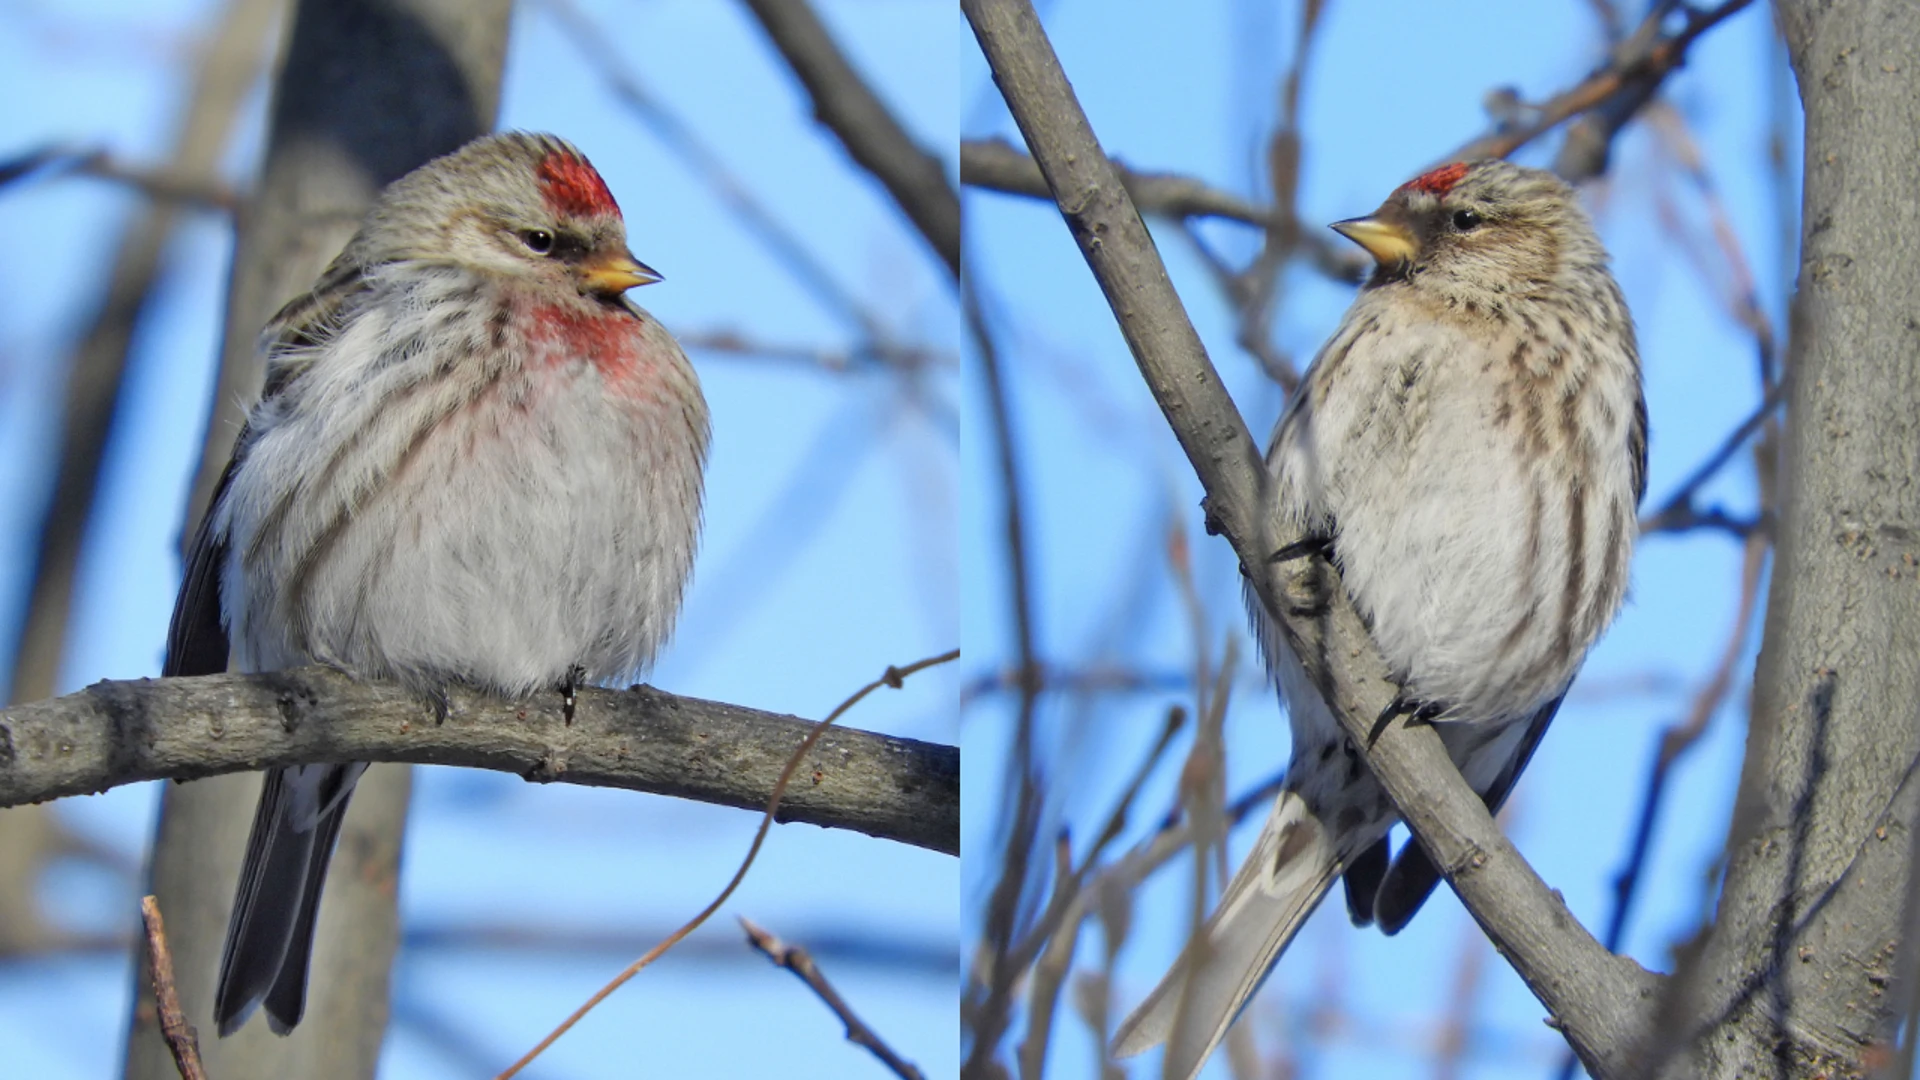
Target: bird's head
point(522, 206)
point(1482, 226)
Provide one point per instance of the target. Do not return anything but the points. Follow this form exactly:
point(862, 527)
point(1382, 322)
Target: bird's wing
point(299, 329)
point(197, 636)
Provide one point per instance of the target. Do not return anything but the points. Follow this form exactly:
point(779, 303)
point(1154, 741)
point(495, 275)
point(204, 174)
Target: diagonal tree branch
point(865, 126)
point(1601, 1002)
point(121, 732)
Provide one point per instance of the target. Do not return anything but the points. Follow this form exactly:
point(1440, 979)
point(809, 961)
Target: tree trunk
point(1796, 978)
point(369, 89)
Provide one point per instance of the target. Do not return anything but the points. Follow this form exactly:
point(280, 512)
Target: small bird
point(475, 462)
point(1469, 450)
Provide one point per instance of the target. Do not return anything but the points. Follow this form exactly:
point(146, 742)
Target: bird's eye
point(538, 241)
point(1465, 220)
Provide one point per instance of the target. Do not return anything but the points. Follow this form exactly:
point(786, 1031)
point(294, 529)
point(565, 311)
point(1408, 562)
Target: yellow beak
point(617, 274)
point(1388, 244)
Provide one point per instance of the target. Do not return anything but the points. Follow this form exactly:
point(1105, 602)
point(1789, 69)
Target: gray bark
point(368, 89)
point(640, 739)
point(1798, 976)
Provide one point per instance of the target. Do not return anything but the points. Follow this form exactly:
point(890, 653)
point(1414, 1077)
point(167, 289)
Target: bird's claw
point(1404, 704)
point(569, 691)
point(441, 699)
point(1309, 546)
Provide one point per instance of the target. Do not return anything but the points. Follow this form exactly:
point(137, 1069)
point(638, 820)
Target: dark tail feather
point(1405, 888)
point(270, 936)
point(1362, 878)
point(1413, 876)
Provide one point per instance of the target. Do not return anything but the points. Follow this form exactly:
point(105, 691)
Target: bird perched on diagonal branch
point(1469, 449)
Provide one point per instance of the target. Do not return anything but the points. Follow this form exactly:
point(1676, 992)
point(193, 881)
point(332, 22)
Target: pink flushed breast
point(611, 340)
point(573, 188)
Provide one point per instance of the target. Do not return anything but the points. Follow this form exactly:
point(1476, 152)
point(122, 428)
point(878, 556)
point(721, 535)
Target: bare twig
point(865, 126)
point(180, 1036)
point(1602, 1002)
point(1257, 288)
point(998, 165)
point(796, 959)
point(892, 677)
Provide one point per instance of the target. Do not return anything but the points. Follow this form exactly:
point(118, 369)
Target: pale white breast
point(417, 515)
point(1484, 572)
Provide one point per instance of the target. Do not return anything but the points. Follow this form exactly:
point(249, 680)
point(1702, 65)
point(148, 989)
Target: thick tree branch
point(1806, 938)
point(864, 124)
point(1601, 1002)
point(115, 733)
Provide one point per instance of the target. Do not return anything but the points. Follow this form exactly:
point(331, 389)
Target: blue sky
point(830, 550)
point(1389, 88)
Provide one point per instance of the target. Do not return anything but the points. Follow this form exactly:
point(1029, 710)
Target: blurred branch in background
point(1606, 99)
point(986, 999)
point(595, 46)
point(904, 358)
point(161, 183)
point(864, 124)
point(229, 65)
point(997, 165)
point(225, 66)
point(641, 739)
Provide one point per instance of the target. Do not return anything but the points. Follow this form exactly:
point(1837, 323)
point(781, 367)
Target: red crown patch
point(1439, 181)
point(573, 187)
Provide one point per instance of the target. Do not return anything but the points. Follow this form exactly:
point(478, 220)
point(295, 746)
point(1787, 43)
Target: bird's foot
point(1312, 545)
point(569, 691)
point(440, 698)
point(1404, 704)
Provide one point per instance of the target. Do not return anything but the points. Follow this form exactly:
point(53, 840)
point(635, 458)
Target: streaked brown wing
point(307, 321)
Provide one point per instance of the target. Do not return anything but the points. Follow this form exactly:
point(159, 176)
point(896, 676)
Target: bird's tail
point(270, 937)
point(1282, 880)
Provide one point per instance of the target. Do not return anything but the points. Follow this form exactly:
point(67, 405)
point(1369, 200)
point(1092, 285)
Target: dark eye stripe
point(569, 247)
